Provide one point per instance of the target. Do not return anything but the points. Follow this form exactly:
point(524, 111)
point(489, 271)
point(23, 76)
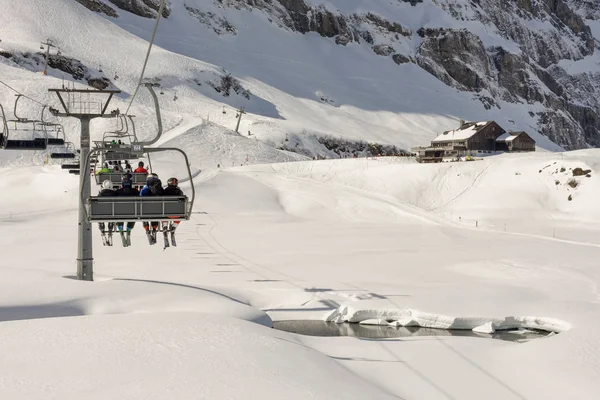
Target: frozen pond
point(323, 328)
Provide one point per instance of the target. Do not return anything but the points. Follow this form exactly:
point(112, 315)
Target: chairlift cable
point(160, 10)
point(27, 97)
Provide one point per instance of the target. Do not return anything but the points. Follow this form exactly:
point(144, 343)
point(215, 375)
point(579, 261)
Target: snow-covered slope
point(349, 239)
point(319, 75)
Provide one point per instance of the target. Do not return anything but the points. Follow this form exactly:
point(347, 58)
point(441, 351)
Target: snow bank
point(166, 356)
point(410, 317)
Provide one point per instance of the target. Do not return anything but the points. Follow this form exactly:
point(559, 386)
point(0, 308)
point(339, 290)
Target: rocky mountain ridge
point(527, 61)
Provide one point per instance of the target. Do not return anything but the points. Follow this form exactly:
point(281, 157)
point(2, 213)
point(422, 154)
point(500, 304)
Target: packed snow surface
point(482, 245)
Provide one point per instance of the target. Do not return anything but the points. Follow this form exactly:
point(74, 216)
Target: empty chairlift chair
point(10, 141)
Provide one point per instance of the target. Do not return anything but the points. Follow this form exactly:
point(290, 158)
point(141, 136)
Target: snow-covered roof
point(507, 136)
point(460, 133)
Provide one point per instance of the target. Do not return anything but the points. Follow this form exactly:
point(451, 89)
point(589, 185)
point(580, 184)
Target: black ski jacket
point(128, 191)
point(107, 193)
point(172, 191)
point(156, 188)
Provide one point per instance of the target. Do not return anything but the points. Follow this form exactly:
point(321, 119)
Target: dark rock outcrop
point(99, 7)
point(142, 8)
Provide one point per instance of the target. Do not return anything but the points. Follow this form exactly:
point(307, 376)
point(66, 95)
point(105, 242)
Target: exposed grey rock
point(226, 84)
point(218, 24)
point(98, 83)
point(142, 8)
point(400, 59)
point(387, 25)
point(457, 57)
point(342, 40)
point(99, 7)
point(383, 49)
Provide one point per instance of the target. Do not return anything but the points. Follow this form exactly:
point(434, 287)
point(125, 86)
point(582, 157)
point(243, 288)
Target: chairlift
point(172, 208)
point(41, 47)
point(126, 209)
point(116, 177)
point(50, 128)
point(69, 166)
point(6, 143)
point(100, 68)
point(224, 112)
point(62, 156)
point(58, 53)
point(68, 153)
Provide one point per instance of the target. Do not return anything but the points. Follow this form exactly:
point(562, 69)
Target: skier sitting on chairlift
point(140, 169)
point(126, 190)
point(107, 191)
point(169, 226)
point(103, 170)
point(153, 188)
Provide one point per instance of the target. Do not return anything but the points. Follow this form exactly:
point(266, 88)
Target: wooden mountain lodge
point(473, 138)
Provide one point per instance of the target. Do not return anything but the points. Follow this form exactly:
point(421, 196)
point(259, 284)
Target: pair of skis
point(125, 238)
point(107, 238)
point(167, 232)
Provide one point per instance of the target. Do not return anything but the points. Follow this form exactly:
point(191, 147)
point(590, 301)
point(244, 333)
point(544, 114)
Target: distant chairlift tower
point(77, 103)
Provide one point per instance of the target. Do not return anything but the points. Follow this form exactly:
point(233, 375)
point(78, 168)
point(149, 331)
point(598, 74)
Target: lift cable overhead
point(160, 11)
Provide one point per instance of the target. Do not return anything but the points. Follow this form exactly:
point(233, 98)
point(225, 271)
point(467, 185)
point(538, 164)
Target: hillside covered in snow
point(395, 72)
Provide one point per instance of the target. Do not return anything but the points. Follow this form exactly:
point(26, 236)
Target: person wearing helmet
point(153, 188)
point(126, 190)
point(107, 191)
point(172, 189)
point(140, 169)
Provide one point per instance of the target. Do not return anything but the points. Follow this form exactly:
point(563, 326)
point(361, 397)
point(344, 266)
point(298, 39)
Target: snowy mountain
point(395, 72)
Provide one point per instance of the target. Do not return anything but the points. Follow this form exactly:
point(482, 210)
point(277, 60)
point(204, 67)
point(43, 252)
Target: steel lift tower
point(77, 103)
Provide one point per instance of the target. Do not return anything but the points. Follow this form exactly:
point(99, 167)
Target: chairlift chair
point(69, 166)
point(69, 152)
point(50, 128)
point(100, 209)
point(7, 143)
point(129, 209)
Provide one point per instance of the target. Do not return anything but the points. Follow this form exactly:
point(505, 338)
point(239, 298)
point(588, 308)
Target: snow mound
point(166, 356)
point(410, 317)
